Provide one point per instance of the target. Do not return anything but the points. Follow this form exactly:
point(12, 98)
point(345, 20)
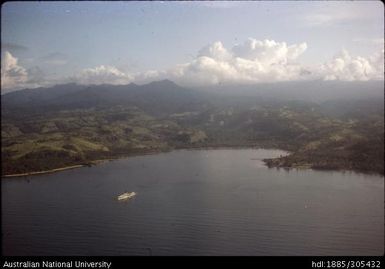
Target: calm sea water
point(202, 202)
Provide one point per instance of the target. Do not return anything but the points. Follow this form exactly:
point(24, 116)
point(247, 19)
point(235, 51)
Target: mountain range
point(324, 124)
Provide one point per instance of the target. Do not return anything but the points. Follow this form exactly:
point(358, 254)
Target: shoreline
point(99, 161)
point(45, 171)
point(212, 147)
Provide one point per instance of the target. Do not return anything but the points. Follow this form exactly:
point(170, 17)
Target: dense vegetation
point(71, 124)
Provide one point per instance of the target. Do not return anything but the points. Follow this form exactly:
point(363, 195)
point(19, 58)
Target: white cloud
point(149, 76)
point(270, 61)
point(351, 68)
point(268, 51)
point(12, 74)
point(15, 77)
point(252, 61)
point(103, 75)
point(215, 51)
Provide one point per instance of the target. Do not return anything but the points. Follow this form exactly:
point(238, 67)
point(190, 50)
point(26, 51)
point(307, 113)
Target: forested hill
point(70, 124)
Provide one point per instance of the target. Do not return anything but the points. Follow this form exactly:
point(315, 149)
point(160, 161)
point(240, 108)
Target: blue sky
point(60, 40)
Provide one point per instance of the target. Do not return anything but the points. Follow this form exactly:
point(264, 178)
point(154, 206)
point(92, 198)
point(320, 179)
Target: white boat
point(126, 195)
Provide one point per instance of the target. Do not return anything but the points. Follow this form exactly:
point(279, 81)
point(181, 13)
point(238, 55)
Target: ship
point(126, 195)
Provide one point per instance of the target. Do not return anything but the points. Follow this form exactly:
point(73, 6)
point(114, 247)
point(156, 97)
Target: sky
point(192, 43)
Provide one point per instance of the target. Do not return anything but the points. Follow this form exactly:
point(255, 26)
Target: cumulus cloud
point(268, 51)
point(270, 61)
point(103, 74)
point(15, 77)
point(216, 51)
point(252, 61)
point(12, 74)
point(149, 76)
point(350, 68)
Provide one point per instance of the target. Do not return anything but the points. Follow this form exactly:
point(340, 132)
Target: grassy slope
point(80, 137)
point(61, 138)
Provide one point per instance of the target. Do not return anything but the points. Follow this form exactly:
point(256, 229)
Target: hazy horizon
point(191, 43)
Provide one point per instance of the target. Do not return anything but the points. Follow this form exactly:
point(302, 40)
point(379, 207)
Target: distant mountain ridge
point(165, 97)
point(317, 90)
point(156, 97)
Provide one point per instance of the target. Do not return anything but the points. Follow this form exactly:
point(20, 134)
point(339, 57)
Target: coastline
point(45, 171)
point(151, 152)
point(267, 162)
